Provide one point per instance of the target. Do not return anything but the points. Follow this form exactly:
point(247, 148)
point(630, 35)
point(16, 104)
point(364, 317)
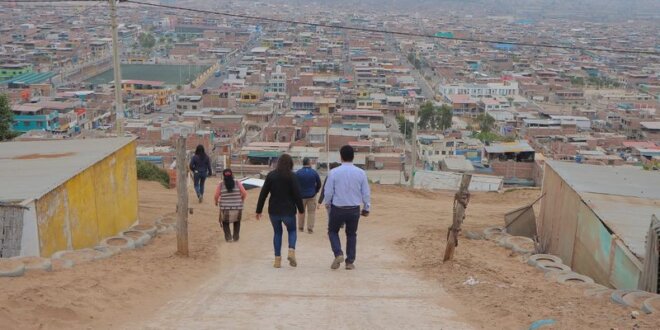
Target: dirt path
point(399, 282)
point(247, 292)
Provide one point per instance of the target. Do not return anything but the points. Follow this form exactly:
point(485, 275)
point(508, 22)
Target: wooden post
point(461, 200)
point(182, 201)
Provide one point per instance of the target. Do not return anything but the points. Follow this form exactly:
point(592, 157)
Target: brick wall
point(338, 141)
point(513, 169)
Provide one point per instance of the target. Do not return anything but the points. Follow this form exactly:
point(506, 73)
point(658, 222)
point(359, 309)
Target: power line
point(49, 1)
point(352, 28)
point(400, 33)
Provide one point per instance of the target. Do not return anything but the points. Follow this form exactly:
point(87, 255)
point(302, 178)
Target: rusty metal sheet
point(521, 222)
point(626, 270)
point(558, 218)
point(611, 180)
point(627, 217)
point(591, 252)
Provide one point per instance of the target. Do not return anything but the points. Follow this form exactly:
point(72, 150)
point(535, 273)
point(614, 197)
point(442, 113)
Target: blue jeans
point(290, 223)
point(349, 217)
point(199, 179)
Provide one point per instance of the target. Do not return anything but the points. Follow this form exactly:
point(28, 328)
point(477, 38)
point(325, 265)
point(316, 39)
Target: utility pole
point(119, 102)
point(182, 197)
point(461, 200)
point(414, 149)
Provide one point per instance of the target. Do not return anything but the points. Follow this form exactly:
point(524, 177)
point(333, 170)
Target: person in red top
point(230, 196)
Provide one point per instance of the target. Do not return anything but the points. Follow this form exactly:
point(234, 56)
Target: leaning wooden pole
point(182, 201)
point(461, 200)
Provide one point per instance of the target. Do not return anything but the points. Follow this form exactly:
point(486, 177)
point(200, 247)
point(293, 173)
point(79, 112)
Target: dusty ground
point(104, 293)
point(510, 294)
point(233, 285)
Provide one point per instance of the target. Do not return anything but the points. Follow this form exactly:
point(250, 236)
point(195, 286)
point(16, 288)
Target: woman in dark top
point(285, 199)
point(200, 165)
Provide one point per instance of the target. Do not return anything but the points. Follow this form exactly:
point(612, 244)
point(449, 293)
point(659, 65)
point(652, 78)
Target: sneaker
point(301, 229)
point(350, 266)
point(292, 258)
point(278, 262)
point(309, 231)
point(337, 262)
point(201, 199)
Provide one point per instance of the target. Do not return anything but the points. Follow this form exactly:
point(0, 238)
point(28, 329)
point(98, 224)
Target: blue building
point(504, 47)
point(31, 116)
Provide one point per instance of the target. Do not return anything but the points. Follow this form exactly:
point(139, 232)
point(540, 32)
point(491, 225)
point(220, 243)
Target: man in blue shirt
point(346, 189)
point(310, 184)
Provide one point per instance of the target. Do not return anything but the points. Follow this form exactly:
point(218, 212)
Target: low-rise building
point(34, 116)
point(158, 89)
point(188, 102)
point(8, 71)
point(651, 130)
point(512, 160)
point(67, 194)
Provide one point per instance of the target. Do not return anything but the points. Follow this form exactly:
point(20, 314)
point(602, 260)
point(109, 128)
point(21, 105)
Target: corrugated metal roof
point(30, 78)
point(610, 180)
point(29, 170)
point(624, 198)
point(628, 217)
point(652, 125)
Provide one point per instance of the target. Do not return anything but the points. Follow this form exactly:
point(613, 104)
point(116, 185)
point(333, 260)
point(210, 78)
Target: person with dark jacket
point(200, 165)
point(285, 199)
point(310, 184)
point(322, 196)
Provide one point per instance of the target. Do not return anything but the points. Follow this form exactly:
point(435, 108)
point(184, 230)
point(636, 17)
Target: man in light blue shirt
point(346, 189)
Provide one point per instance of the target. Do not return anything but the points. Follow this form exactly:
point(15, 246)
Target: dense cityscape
point(251, 90)
point(553, 102)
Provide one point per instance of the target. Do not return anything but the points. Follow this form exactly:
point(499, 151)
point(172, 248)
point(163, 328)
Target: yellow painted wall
point(99, 202)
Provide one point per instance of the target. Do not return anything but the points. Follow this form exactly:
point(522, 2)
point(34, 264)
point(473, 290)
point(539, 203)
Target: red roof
point(80, 111)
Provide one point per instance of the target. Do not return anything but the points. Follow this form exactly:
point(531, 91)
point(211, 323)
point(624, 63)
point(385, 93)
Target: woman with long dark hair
point(230, 196)
point(200, 165)
point(284, 191)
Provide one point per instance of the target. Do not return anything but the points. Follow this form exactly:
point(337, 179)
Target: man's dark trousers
point(349, 216)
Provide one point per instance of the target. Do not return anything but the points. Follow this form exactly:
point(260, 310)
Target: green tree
point(405, 126)
point(147, 40)
point(150, 172)
point(487, 136)
point(411, 58)
point(6, 119)
point(446, 114)
point(486, 122)
point(435, 118)
point(577, 81)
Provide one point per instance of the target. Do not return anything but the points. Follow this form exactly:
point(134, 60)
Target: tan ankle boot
point(292, 258)
point(278, 262)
